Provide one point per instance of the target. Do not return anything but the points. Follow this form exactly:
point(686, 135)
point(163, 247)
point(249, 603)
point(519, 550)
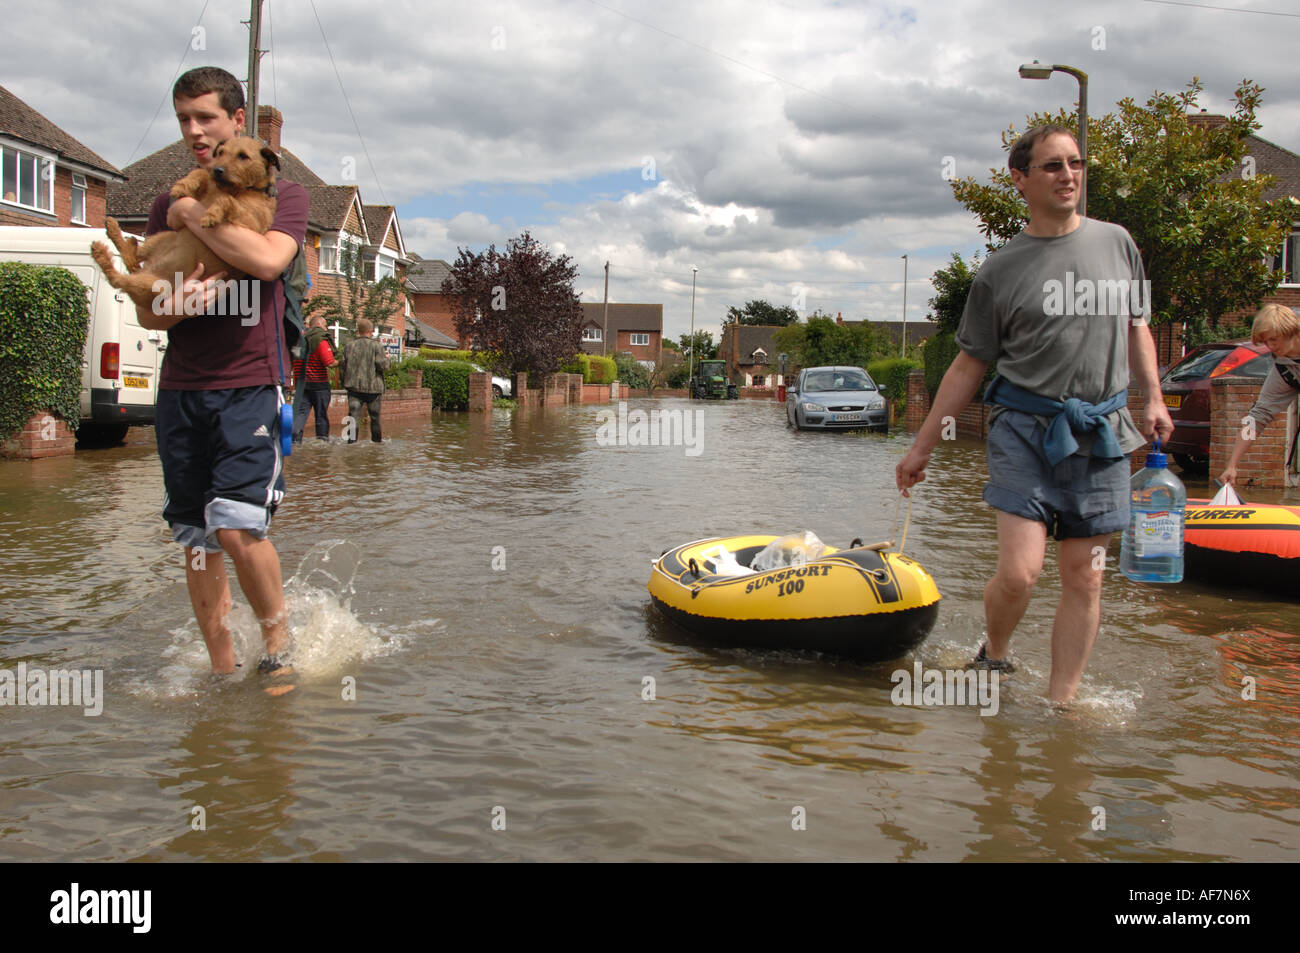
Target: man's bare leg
point(1077, 617)
point(1022, 544)
point(257, 566)
point(205, 577)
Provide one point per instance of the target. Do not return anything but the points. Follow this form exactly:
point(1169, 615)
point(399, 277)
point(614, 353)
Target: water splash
point(327, 635)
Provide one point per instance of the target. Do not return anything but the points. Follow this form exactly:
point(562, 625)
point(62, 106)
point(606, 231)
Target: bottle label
point(1157, 534)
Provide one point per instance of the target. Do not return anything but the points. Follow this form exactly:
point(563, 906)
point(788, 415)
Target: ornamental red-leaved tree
point(519, 303)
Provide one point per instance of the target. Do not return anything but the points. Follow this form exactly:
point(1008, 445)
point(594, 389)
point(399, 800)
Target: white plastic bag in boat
point(724, 562)
point(793, 550)
point(1226, 496)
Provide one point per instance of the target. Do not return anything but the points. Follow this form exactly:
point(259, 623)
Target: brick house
point(336, 219)
point(46, 176)
point(635, 328)
point(751, 355)
point(429, 306)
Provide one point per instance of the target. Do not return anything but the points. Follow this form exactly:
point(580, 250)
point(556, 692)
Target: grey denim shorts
point(1081, 496)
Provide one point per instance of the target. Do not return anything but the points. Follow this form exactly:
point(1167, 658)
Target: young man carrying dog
point(1052, 466)
point(217, 420)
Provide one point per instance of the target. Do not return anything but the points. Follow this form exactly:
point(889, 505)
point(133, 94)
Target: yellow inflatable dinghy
point(861, 603)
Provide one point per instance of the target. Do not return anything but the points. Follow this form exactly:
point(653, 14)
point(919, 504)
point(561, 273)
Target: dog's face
point(244, 163)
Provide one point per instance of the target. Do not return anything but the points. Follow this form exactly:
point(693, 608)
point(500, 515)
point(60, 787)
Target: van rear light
point(109, 361)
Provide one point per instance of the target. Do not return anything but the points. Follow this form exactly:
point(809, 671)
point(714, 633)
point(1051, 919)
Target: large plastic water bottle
point(1152, 550)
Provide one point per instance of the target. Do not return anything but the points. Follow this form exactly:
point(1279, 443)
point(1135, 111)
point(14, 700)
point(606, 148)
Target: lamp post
point(904, 354)
point(690, 367)
point(1036, 70)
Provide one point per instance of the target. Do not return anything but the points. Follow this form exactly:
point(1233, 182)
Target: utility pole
point(254, 65)
point(604, 334)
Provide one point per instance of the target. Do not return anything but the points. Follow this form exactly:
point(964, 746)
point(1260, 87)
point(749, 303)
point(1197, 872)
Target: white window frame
point(633, 342)
point(385, 266)
point(42, 166)
point(591, 335)
point(334, 244)
point(1286, 260)
point(79, 190)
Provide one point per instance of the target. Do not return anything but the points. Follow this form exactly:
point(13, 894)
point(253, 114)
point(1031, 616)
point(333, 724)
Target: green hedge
point(891, 373)
point(400, 374)
point(488, 360)
point(593, 368)
point(449, 382)
point(940, 351)
point(44, 319)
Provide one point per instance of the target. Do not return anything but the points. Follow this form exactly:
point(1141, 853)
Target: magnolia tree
point(1187, 193)
point(519, 303)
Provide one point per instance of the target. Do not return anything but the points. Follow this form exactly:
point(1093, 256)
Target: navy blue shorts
point(221, 462)
point(1081, 496)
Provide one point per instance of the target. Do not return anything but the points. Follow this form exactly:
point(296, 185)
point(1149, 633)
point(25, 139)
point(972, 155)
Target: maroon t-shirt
point(216, 352)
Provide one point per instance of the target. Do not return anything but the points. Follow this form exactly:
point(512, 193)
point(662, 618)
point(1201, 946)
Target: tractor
point(710, 382)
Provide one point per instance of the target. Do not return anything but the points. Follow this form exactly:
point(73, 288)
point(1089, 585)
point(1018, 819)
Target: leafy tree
point(953, 284)
point(1184, 192)
point(824, 341)
point(519, 302)
point(761, 312)
point(630, 370)
point(705, 349)
point(669, 367)
point(360, 296)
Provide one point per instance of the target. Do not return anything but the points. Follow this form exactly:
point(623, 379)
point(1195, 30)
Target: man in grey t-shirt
point(1062, 308)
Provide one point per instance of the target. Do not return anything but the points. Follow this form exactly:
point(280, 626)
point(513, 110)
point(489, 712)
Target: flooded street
point(474, 640)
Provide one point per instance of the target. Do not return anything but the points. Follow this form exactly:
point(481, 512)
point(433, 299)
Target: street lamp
point(1036, 70)
point(904, 354)
point(690, 367)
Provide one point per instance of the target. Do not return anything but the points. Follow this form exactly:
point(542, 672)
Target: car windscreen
point(1196, 366)
point(845, 379)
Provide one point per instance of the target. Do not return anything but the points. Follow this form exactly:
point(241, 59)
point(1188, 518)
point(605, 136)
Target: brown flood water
point(516, 693)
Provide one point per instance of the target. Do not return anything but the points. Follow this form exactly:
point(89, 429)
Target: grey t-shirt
point(1055, 314)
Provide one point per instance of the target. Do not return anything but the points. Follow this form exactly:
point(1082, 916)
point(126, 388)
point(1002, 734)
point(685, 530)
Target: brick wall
point(44, 435)
point(1264, 462)
point(973, 421)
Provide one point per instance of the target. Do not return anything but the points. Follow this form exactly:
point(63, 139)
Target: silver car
point(836, 398)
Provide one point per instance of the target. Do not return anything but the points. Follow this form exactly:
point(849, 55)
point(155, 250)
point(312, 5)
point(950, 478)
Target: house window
point(78, 198)
point(26, 179)
point(1288, 260)
point(385, 267)
point(591, 334)
point(640, 339)
point(758, 380)
point(329, 254)
point(760, 356)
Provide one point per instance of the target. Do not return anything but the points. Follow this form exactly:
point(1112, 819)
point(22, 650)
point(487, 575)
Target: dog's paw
point(210, 220)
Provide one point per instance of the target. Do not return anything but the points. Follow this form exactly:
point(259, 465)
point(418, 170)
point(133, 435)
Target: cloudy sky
point(778, 147)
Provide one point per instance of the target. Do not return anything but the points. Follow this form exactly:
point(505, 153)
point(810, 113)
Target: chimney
point(269, 121)
point(839, 317)
point(1205, 120)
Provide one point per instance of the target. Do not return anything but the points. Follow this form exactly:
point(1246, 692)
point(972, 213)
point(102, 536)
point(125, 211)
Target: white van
point(121, 363)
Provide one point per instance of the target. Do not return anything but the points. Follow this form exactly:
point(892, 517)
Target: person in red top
point(316, 392)
point(217, 421)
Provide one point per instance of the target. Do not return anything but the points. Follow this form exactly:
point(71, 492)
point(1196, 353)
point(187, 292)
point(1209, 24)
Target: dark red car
point(1186, 387)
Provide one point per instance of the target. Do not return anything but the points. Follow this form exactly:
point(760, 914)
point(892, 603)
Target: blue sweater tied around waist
point(1068, 418)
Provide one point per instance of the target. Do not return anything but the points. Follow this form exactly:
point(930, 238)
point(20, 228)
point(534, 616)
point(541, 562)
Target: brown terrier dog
point(239, 189)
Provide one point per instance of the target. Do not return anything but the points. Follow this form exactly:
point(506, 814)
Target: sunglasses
point(1056, 165)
